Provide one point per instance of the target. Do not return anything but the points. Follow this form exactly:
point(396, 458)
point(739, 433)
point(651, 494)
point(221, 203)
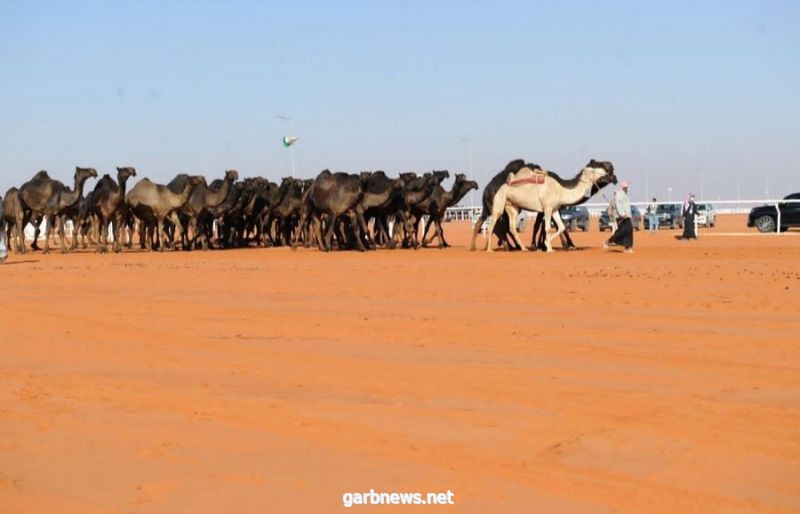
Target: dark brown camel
point(333, 195)
point(201, 201)
point(290, 208)
point(107, 205)
point(436, 204)
point(416, 191)
point(13, 209)
point(151, 202)
point(50, 198)
point(379, 195)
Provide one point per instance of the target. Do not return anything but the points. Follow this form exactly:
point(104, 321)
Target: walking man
point(652, 216)
point(623, 236)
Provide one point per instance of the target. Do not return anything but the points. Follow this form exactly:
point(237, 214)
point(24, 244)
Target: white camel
point(537, 190)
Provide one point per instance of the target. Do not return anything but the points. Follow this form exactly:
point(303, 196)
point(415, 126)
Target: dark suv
point(765, 217)
point(575, 217)
point(669, 216)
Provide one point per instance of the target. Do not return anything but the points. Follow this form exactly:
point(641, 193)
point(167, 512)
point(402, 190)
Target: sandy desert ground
point(266, 380)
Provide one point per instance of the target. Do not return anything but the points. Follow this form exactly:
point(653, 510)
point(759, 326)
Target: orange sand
point(266, 380)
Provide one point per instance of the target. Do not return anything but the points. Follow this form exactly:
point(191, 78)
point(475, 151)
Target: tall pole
point(472, 192)
point(702, 186)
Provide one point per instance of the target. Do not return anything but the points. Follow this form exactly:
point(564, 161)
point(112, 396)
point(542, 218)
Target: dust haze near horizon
point(694, 96)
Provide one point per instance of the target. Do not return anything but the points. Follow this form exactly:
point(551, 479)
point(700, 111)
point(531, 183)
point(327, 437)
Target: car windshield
point(667, 208)
point(793, 196)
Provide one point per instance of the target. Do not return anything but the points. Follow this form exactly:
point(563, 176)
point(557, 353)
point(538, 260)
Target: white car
point(706, 215)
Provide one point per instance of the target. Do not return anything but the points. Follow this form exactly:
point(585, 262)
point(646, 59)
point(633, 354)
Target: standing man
point(689, 212)
point(652, 215)
point(623, 236)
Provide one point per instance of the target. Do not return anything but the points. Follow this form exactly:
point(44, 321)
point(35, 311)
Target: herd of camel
point(334, 210)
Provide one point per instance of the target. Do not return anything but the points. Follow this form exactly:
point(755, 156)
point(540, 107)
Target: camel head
point(232, 175)
point(125, 173)
point(600, 172)
point(440, 175)
point(82, 174)
point(364, 177)
point(408, 176)
point(462, 184)
point(196, 180)
point(399, 183)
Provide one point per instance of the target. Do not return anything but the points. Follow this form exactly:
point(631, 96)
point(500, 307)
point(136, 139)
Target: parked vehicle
point(765, 217)
point(669, 216)
point(636, 219)
point(575, 217)
point(706, 215)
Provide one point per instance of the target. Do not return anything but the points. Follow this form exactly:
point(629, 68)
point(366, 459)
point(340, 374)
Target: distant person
point(623, 235)
point(652, 216)
point(689, 213)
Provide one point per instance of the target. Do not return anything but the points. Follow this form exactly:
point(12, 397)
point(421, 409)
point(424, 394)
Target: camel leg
point(62, 234)
point(102, 242)
point(512, 226)
point(37, 224)
point(547, 229)
point(142, 235)
point(162, 237)
point(326, 243)
point(318, 230)
point(384, 231)
point(119, 232)
point(304, 214)
point(498, 206)
point(73, 245)
point(554, 215)
point(425, 240)
point(439, 233)
point(559, 224)
point(19, 226)
point(362, 223)
point(357, 231)
point(477, 228)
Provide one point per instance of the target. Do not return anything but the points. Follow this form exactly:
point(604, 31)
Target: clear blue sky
point(670, 92)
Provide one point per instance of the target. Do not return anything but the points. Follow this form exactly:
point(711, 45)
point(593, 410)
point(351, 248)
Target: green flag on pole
point(289, 141)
